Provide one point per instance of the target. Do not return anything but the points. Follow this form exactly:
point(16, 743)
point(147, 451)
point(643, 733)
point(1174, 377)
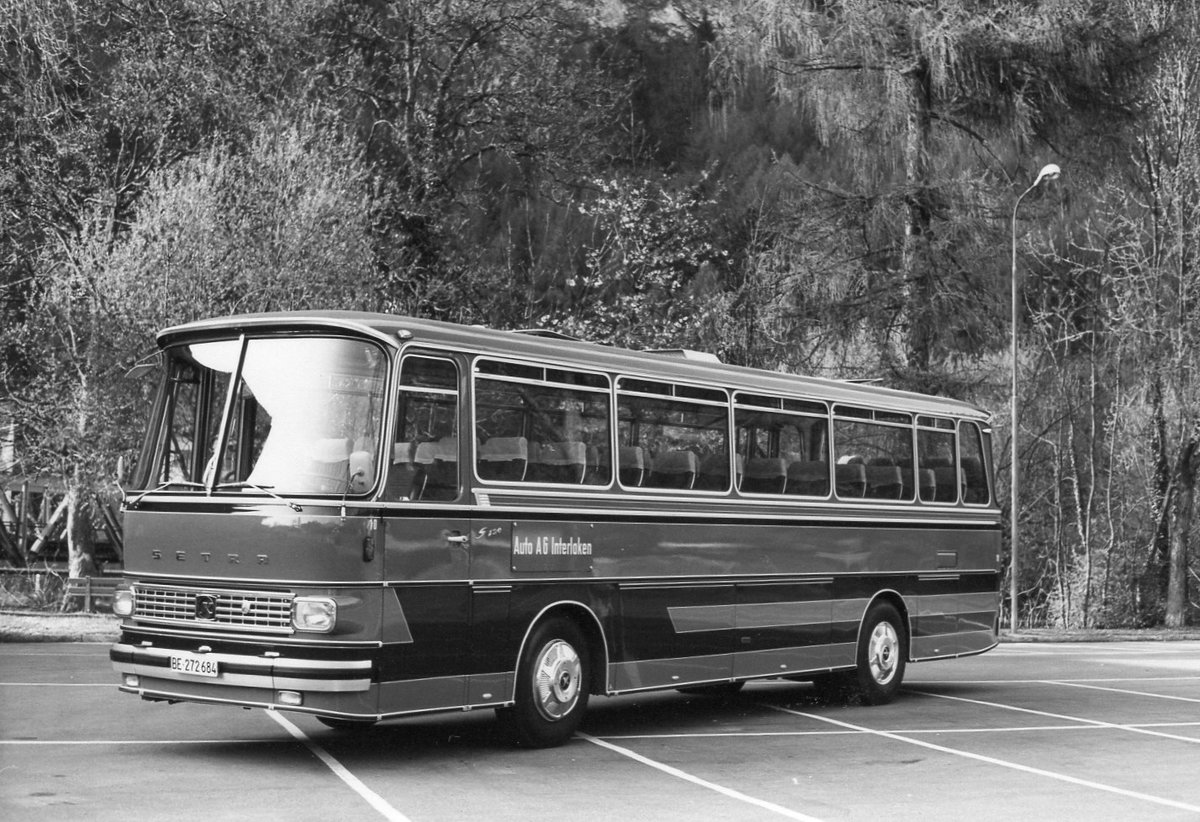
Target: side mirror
point(362, 471)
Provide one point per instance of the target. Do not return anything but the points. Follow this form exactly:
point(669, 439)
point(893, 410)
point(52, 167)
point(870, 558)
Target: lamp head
point(1048, 172)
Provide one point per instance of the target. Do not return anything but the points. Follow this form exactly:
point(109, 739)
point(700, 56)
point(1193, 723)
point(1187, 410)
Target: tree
point(925, 103)
point(641, 285)
point(1156, 251)
point(287, 225)
point(467, 111)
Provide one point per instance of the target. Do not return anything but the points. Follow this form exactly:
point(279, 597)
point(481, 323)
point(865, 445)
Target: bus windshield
point(281, 415)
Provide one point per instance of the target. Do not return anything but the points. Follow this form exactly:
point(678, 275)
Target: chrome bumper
point(242, 670)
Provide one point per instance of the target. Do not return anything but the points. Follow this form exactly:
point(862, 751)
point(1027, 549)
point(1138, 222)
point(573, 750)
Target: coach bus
point(363, 517)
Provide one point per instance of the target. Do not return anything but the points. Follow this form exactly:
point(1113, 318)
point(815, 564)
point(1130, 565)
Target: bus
point(362, 517)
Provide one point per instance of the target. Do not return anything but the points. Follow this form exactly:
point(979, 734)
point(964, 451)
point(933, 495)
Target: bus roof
point(395, 330)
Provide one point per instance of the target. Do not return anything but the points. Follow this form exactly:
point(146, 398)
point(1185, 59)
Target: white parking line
point(1072, 684)
point(373, 799)
point(142, 742)
point(695, 780)
point(1004, 763)
point(1097, 649)
point(1015, 729)
point(1094, 722)
point(112, 685)
point(909, 682)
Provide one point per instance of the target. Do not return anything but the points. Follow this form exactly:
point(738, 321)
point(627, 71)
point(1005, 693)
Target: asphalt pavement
point(1092, 731)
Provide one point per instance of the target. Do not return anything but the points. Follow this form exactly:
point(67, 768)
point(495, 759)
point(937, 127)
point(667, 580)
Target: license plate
point(195, 664)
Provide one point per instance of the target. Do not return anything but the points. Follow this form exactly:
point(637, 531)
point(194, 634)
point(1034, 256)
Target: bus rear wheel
point(882, 651)
point(879, 662)
point(552, 686)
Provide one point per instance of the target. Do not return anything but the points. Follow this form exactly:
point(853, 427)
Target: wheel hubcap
point(556, 680)
point(883, 652)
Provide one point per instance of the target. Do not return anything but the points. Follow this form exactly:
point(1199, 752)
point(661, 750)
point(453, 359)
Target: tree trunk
point(1181, 526)
point(81, 537)
point(918, 290)
point(1158, 561)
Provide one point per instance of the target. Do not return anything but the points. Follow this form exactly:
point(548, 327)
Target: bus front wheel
point(552, 686)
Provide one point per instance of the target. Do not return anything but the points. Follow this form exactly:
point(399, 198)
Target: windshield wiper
point(233, 486)
point(133, 503)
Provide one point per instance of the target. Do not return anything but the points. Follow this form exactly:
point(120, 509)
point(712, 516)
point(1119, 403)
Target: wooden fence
point(33, 522)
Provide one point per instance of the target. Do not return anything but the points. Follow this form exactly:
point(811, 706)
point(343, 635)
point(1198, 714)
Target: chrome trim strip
point(785, 506)
point(656, 674)
point(357, 671)
point(797, 508)
point(743, 616)
point(282, 582)
point(638, 581)
point(776, 583)
point(782, 661)
point(963, 643)
point(292, 641)
point(697, 618)
point(325, 686)
point(957, 603)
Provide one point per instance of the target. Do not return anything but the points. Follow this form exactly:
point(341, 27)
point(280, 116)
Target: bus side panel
point(954, 616)
point(428, 671)
point(782, 628)
point(674, 634)
point(423, 664)
point(249, 543)
point(495, 639)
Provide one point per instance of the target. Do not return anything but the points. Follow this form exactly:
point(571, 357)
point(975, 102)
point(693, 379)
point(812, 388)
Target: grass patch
point(31, 626)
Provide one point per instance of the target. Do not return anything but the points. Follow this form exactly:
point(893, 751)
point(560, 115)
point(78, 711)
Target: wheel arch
point(896, 600)
point(586, 620)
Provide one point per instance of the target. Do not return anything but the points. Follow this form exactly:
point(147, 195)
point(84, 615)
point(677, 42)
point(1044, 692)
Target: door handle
point(457, 538)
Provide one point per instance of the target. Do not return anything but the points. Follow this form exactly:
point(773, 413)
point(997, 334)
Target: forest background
point(827, 187)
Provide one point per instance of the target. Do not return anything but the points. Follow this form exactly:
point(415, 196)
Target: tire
point(552, 686)
point(882, 653)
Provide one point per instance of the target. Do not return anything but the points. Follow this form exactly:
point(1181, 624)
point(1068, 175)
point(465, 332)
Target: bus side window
point(784, 444)
point(424, 451)
point(667, 433)
point(540, 424)
point(974, 472)
point(936, 459)
point(873, 450)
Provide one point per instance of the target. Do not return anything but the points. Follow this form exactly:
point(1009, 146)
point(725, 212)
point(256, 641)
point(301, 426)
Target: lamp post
point(1048, 172)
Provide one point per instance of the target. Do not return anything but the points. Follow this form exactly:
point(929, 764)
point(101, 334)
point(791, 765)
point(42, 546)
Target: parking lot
point(1035, 731)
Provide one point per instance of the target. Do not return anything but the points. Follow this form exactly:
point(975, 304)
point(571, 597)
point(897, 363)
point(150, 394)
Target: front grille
point(235, 610)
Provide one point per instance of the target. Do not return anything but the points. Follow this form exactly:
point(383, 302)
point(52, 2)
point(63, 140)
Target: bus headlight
point(123, 602)
point(315, 614)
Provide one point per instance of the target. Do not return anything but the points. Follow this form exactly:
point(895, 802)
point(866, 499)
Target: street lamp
point(1048, 172)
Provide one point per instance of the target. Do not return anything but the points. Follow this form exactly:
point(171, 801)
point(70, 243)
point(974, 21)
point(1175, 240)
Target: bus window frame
point(393, 425)
point(982, 442)
point(884, 418)
point(545, 367)
point(945, 426)
point(782, 409)
point(674, 396)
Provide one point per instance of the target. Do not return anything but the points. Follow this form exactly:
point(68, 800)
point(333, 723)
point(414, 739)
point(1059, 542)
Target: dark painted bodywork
point(436, 600)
